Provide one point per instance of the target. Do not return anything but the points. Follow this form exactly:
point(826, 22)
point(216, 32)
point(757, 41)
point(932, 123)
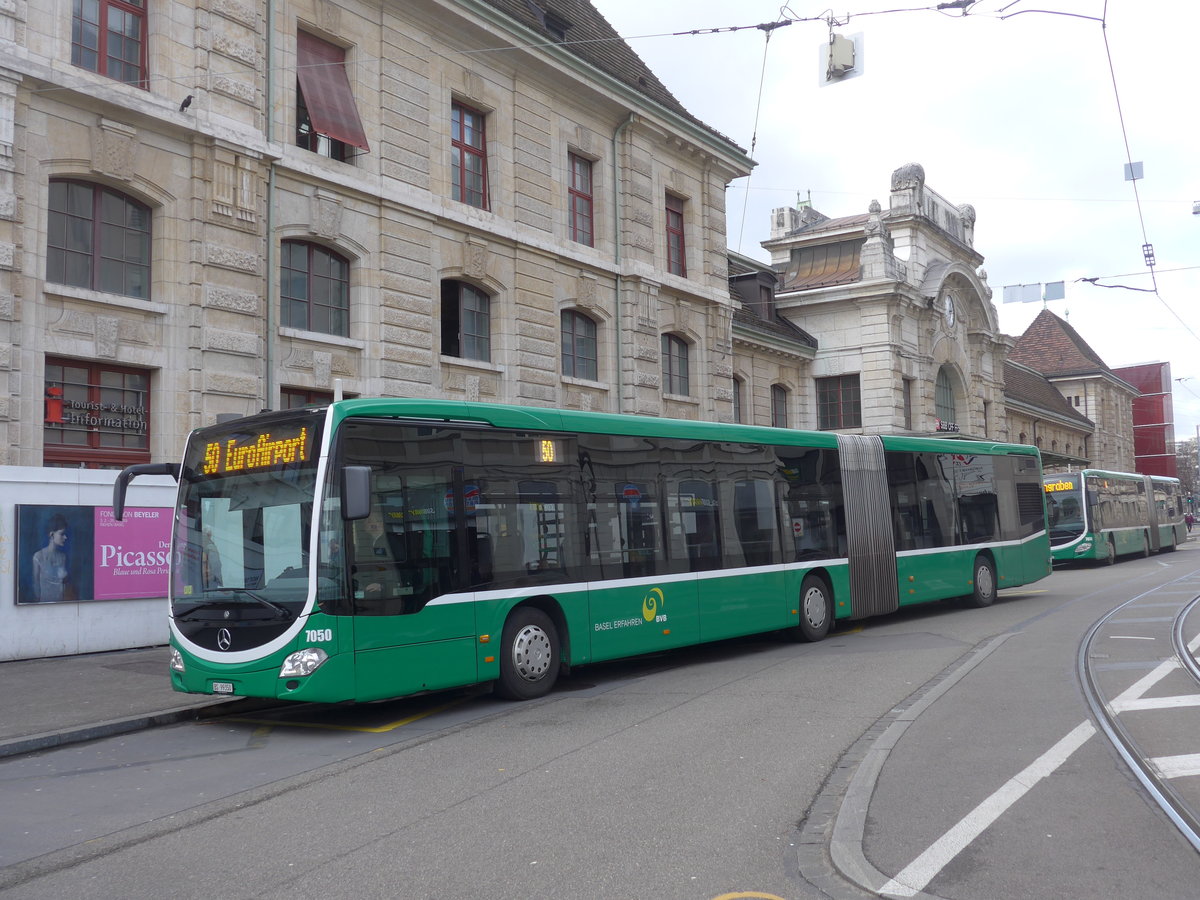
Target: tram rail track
point(1106, 710)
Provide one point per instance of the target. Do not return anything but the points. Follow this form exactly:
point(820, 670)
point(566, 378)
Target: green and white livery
point(1098, 515)
point(380, 548)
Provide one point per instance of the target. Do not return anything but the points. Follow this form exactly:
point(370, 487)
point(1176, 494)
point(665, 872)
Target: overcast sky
point(1016, 116)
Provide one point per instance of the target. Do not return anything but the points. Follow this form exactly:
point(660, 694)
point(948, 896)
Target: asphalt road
point(744, 769)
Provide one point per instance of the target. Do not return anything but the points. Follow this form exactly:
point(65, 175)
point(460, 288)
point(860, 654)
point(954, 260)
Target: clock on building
point(949, 310)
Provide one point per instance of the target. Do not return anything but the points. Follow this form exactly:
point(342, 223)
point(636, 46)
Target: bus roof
point(1104, 473)
point(547, 419)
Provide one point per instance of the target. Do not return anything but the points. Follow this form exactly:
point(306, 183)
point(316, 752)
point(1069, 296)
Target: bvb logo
point(651, 603)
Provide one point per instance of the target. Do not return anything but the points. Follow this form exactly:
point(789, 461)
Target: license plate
point(222, 687)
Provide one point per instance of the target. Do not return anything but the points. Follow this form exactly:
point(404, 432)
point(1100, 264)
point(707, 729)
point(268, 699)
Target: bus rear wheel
point(529, 657)
point(816, 610)
point(983, 592)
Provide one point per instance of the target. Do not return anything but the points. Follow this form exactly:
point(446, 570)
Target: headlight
point(176, 660)
point(303, 662)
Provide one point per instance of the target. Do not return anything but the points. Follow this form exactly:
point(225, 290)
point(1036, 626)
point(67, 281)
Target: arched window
point(578, 346)
point(1021, 438)
point(779, 406)
point(97, 238)
point(466, 321)
point(943, 396)
point(314, 288)
point(675, 365)
point(738, 387)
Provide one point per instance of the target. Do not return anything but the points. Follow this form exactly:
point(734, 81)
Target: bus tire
point(816, 610)
point(1145, 545)
point(529, 655)
point(1110, 553)
point(983, 583)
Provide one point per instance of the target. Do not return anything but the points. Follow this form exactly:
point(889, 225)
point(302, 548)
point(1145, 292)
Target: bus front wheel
point(983, 592)
point(816, 610)
point(529, 655)
point(1110, 553)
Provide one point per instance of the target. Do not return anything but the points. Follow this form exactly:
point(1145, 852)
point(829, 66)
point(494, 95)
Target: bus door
point(414, 621)
point(1154, 510)
point(924, 521)
point(639, 601)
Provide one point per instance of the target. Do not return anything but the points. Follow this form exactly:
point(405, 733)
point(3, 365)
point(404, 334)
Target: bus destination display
point(1053, 487)
point(265, 451)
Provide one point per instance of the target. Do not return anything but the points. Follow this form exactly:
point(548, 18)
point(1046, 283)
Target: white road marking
point(922, 870)
point(913, 878)
point(1130, 637)
point(1177, 766)
point(1177, 702)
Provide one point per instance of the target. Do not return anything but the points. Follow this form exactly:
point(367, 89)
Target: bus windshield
point(1064, 508)
point(243, 524)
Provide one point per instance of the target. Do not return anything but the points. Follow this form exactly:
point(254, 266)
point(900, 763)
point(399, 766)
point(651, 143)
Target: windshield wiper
point(281, 612)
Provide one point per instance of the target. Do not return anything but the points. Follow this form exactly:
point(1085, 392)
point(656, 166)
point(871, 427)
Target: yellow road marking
point(747, 895)
point(379, 729)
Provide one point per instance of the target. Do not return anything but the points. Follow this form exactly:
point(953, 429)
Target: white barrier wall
point(33, 630)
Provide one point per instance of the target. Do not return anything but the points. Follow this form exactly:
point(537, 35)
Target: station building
point(212, 208)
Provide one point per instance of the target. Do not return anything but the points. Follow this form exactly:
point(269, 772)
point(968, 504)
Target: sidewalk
point(65, 699)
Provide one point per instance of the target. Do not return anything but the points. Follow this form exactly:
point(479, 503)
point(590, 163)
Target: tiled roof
point(1027, 387)
point(597, 43)
point(1053, 347)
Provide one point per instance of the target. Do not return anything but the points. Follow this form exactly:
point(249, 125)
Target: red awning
point(322, 74)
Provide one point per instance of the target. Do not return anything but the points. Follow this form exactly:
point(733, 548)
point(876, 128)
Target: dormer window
point(556, 26)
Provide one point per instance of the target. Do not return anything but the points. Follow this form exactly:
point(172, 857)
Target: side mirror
point(356, 492)
point(121, 485)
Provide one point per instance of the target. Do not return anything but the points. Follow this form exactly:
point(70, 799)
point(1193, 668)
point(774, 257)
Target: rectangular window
point(838, 403)
point(676, 250)
point(297, 398)
point(908, 384)
point(327, 119)
point(466, 322)
point(813, 504)
point(676, 379)
point(109, 37)
point(580, 198)
point(923, 500)
point(468, 156)
point(754, 520)
point(779, 406)
point(579, 354)
point(96, 416)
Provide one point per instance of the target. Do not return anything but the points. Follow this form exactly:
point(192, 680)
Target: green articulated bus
point(1097, 515)
point(372, 549)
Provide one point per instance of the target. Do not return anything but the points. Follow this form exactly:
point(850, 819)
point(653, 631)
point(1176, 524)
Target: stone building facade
point(215, 207)
point(1053, 348)
point(909, 340)
point(1038, 414)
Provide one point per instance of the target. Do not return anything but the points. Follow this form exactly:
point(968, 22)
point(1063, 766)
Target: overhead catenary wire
point(768, 28)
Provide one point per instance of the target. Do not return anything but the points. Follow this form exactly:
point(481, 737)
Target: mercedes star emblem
point(224, 639)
